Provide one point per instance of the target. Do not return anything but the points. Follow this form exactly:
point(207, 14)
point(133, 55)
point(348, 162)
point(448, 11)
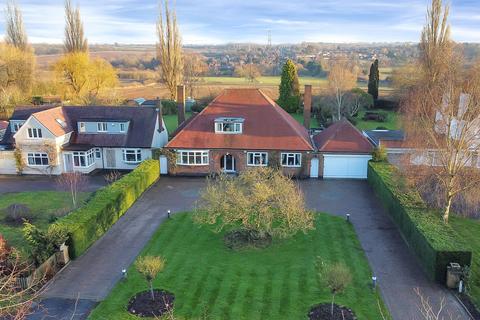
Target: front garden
point(278, 282)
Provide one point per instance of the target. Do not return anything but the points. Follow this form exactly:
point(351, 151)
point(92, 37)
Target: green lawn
point(299, 118)
point(44, 206)
point(470, 230)
point(212, 282)
point(393, 121)
point(171, 121)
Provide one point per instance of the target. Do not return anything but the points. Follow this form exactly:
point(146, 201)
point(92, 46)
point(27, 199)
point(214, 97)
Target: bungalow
point(244, 128)
point(54, 140)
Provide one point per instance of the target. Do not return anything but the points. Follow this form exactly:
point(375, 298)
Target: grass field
point(171, 121)
point(470, 230)
point(212, 282)
point(44, 206)
point(393, 121)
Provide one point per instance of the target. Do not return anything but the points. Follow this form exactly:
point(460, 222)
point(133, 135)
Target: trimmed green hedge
point(88, 223)
point(434, 243)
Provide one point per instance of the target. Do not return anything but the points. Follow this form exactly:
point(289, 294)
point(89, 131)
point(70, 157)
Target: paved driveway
point(42, 183)
point(397, 270)
point(90, 278)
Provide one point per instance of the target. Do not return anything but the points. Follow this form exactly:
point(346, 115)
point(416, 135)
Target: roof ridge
point(283, 114)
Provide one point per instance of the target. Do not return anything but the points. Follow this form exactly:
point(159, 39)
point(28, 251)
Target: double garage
point(344, 150)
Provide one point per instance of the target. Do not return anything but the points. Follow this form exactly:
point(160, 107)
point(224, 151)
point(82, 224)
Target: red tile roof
point(54, 120)
point(342, 136)
point(267, 126)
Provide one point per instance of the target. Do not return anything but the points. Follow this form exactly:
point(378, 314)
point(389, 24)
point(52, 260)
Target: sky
point(228, 21)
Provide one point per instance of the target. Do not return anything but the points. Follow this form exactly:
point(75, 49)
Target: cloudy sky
point(222, 21)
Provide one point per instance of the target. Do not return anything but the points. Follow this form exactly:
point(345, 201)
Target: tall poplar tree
point(15, 30)
point(289, 89)
point(75, 40)
point(374, 80)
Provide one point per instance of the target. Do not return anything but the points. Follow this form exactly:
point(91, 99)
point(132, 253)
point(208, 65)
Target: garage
point(345, 151)
point(345, 166)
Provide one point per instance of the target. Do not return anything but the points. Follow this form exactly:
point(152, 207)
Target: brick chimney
point(181, 103)
point(158, 103)
point(307, 106)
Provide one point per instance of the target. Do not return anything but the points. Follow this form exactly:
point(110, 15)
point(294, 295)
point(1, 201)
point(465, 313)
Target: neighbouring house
point(345, 151)
point(244, 128)
point(393, 141)
point(54, 140)
point(3, 128)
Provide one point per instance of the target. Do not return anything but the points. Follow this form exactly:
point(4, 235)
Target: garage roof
point(342, 137)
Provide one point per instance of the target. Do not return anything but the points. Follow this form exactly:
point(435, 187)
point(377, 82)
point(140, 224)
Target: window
point(291, 159)
point(132, 155)
point(81, 126)
point(229, 125)
point(37, 159)
point(16, 126)
point(102, 126)
point(122, 127)
point(98, 153)
point(83, 159)
point(257, 159)
point(192, 158)
point(34, 133)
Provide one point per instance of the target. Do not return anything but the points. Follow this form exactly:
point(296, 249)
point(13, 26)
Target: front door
point(111, 161)
point(227, 163)
point(68, 162)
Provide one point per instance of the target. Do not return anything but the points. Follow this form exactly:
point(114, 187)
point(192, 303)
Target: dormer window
point(229, 125)
point(16, 126)
point(102, 127)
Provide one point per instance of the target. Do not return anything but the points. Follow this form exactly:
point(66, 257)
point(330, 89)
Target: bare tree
point(341, 79)
point(429, 311)
point(15, 30)
point(193, 68)
point(75, 40)
point(73, 182)
point(169, 49)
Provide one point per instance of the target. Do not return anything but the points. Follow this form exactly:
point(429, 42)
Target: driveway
point(89, 279)
point(396, 268)
point(42, 183)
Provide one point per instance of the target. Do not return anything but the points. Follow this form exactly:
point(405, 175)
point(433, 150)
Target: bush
point(169, 107)
point(352, 120)
point(379, 154)
point(386, 104)
point(246, 238)
point(88, 223)
point(435, 243)
point(16, 213)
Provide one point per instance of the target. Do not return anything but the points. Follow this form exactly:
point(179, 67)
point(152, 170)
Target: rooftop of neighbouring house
point(3, 125)
point(386, 138)
point(266, 126)
point(342, 136)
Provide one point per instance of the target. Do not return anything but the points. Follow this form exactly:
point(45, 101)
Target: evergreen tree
point(289, 98)
point(374, 80)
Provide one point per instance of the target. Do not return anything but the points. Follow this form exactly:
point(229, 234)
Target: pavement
point(89, 279)
point(14, 183)
point(397, 270)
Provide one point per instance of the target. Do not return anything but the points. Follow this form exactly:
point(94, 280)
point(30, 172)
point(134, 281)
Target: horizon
point(249, 21)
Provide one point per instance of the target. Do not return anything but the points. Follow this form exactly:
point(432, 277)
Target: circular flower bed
point(245, 238)
point(142, 304)
point(324, 312)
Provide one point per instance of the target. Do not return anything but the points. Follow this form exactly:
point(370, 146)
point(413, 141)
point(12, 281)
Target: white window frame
point(122, 127)
point(16, 126)
point(87, 156)
point(257, 155)
point(37, 155)
point(102, 126)
point(199, 157)
point(220, 127)
point(82, 127)
point(34, 133)
point(137, 153)
point(98, 153)
point(289, 155)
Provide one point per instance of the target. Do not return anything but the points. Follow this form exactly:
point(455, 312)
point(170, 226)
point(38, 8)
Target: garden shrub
point(169, 107)
point(16, 213)
point(435, 243)
point(88, 223)
point(379, 154)
point(246, 238)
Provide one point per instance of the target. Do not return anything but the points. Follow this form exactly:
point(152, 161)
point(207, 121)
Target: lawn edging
point(88, 223)
point(434, 243)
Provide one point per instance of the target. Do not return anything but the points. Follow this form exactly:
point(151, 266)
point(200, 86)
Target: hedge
point(434, 243)
point(88, 223)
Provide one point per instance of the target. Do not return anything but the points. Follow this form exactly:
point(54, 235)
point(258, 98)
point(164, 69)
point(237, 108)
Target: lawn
point(171, 121)
point(299, 117)
point(45, 206)
point(393, 121)
point(212, 282)
point(469, 229)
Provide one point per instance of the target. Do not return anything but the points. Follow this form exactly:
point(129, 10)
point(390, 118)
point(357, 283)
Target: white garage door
point(345, 166)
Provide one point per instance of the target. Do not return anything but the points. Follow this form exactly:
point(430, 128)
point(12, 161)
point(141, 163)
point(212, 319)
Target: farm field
point(212, 282)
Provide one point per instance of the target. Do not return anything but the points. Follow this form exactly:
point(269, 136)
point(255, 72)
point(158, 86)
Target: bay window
point(132, 155)
point(291, 159)
point(83, 159)
point(258, 159)
point(192, 158)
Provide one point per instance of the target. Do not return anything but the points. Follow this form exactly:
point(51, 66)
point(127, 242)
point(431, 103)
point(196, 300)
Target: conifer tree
point(289, 90)
point(374, 80)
